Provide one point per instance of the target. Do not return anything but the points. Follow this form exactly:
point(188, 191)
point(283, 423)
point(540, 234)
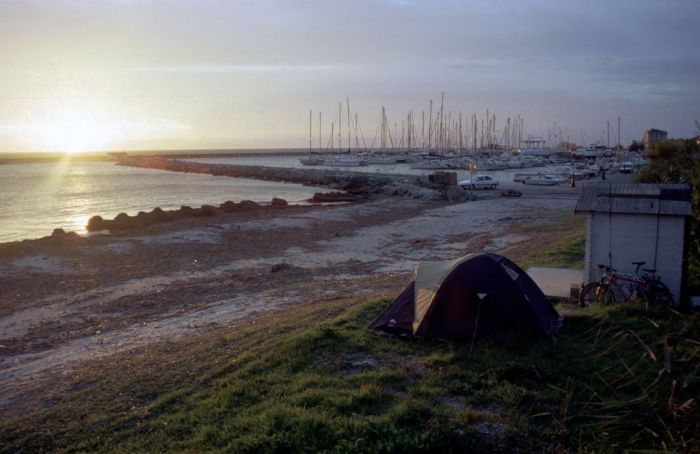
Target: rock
point(278, 203)
point(186, 210)
point(248, 205)
point(159, 215)
point(443, 178)
point(96, 223)
point(60, 234)
point(206, 210)
point(121, 217)
point(141, 219)
point(120, 222)
point(331, 197)
point(279, 267)
point(511, 193)
point(228, 205)
point(357, 181)
point(456, 194)
point(399, 191)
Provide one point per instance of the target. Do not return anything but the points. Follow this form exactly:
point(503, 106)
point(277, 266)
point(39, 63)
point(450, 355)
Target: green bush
point(678, 161)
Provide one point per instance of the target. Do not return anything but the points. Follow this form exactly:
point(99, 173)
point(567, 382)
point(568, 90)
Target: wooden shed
point(637, 222)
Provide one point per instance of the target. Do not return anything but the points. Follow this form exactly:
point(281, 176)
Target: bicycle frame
point(626, 286)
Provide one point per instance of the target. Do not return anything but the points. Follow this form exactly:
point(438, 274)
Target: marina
point(349, 226)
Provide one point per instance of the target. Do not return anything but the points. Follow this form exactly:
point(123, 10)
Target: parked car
point(479, 181)
point(626, 167)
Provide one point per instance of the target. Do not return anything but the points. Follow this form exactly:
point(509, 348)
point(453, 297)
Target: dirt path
point(68, 301)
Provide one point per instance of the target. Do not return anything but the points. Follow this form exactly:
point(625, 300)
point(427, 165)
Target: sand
point(64, 302)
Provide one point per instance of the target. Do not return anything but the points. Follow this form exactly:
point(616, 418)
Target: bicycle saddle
point(638, 263)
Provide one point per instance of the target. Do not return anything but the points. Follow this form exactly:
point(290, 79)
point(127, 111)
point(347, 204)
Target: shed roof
point(664, 199)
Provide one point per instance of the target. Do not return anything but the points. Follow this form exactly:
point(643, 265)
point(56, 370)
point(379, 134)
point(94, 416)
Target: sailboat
point(312, 160)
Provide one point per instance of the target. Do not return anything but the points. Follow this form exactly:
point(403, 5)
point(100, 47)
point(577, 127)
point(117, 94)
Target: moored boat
point(345, 162)
point(544, 180)
point(312, 161)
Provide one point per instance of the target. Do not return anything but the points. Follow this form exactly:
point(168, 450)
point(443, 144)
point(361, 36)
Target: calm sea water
point(36, 198)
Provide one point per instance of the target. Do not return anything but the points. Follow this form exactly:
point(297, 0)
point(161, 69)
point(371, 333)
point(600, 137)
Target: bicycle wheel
point(596, 292)
point(659, 295)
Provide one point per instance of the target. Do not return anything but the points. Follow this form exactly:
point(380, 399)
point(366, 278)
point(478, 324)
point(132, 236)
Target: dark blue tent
point(479, 295)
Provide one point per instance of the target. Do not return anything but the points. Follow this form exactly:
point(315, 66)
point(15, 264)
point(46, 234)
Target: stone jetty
point(123, 221)
point(355, 185)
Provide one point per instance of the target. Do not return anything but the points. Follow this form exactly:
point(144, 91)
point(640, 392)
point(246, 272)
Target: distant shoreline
point(48, 157)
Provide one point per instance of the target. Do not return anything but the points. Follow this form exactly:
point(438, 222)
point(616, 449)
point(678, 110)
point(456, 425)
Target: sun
point(77, 128)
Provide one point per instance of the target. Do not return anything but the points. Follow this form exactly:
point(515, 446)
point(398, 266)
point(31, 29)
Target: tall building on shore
point(653, 135)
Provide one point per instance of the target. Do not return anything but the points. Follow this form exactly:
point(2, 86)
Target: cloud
point(466, 66)
point(229, 69)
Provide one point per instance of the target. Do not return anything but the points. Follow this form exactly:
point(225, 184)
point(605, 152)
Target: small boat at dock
point(342, 161)
point(312, 161)
point(380, 160)
point(544, 180)
point(432, 164)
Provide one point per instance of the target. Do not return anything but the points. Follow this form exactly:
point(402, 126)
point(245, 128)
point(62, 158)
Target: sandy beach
point(66, 301)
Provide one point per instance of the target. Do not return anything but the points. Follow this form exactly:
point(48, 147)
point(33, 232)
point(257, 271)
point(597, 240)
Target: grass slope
point(623, 378)
point(559, 243)
point(314, 379)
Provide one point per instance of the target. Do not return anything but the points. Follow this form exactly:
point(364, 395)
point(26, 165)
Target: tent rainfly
point(476, 296)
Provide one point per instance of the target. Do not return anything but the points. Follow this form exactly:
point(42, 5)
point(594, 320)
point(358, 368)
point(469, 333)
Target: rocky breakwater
point(123, 221)
point(355, 185)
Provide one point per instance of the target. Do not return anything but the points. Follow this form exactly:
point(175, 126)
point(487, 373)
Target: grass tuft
point(623, 377)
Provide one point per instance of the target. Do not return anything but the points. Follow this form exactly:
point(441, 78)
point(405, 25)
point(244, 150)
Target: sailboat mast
point(461, 149)
point(340, 126)
point(396, 136)
point(619, 140)
point(481, 138)
point(430, 124)
point(522, 128)
point(408, 131)
point(441, 139)
point(320, 144)
point(347, 103)
point(357, 142)
point(310, 120)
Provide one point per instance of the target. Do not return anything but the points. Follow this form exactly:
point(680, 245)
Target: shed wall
point(633, 239)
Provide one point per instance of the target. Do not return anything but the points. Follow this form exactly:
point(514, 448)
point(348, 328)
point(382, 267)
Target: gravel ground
point(66, 301)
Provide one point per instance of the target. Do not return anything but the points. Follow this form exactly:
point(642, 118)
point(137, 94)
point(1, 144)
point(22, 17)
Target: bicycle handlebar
point(638, 264)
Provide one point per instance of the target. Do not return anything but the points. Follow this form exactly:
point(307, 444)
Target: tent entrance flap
point(398, 318)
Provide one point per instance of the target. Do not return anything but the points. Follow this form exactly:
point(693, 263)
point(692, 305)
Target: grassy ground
point(314, 379)
point(624, 378)
point(566, 250)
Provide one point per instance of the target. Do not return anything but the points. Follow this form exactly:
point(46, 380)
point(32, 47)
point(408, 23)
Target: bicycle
point(629, 287)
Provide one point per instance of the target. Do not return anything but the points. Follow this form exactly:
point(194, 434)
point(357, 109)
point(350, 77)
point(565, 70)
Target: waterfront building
point(653, 135)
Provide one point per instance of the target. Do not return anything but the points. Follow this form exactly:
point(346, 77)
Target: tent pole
point(476, 323)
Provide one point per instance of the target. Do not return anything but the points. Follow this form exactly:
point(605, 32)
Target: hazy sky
point(130, 74)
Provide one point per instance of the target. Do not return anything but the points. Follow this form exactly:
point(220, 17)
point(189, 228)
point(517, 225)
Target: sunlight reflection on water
point(36, 198)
